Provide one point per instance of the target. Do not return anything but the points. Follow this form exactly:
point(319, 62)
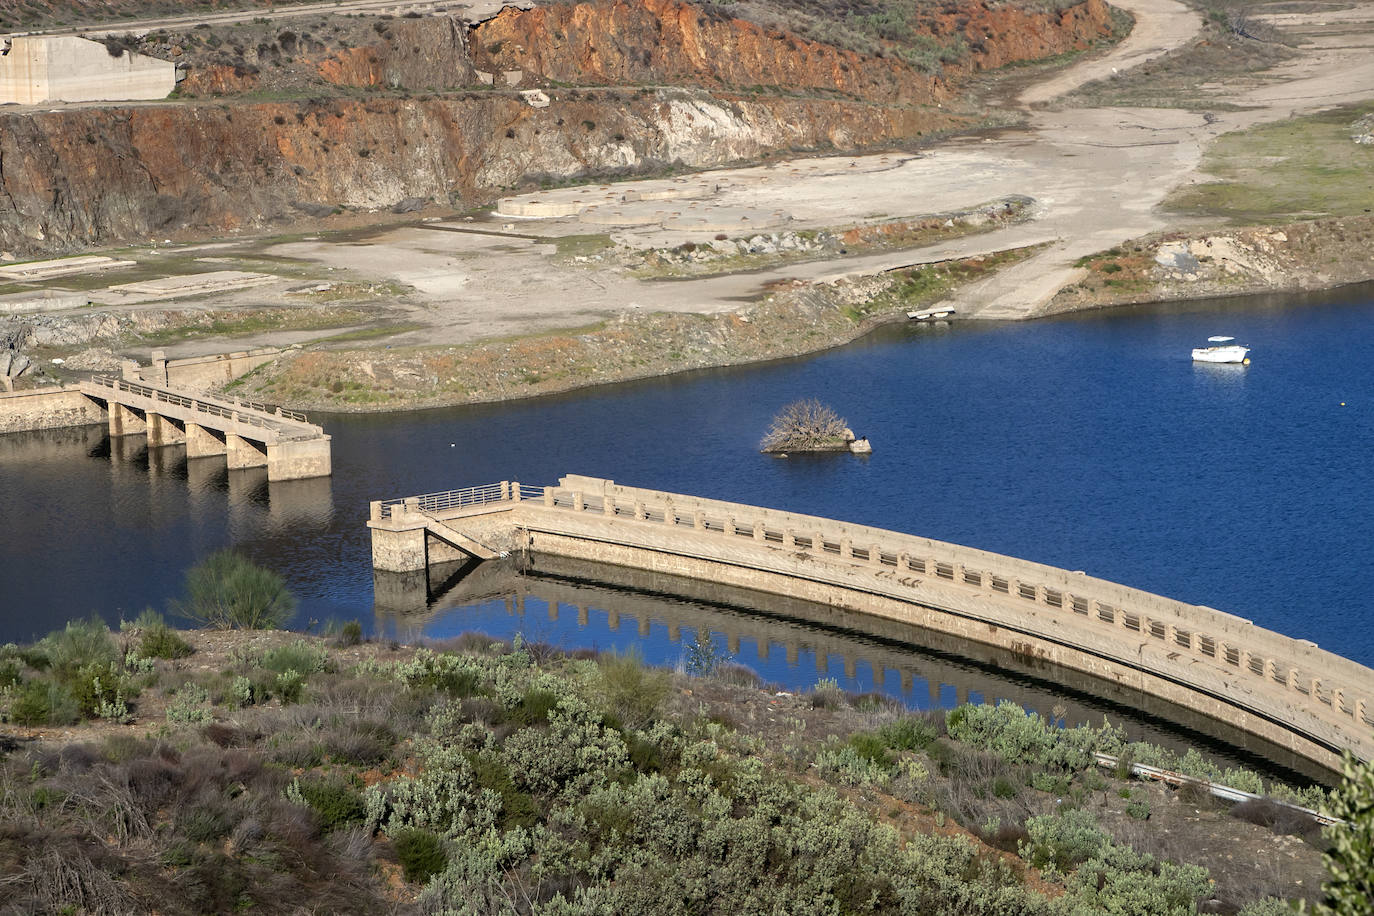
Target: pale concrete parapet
point(35, 70)
point(1204, 659)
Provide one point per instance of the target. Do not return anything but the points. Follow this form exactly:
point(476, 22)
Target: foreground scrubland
point(211, 771)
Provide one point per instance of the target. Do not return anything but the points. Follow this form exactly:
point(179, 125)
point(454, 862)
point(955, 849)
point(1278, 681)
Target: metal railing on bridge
point(243, 411)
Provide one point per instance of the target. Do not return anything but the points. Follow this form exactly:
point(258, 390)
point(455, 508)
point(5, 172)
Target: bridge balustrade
point(1323, 683)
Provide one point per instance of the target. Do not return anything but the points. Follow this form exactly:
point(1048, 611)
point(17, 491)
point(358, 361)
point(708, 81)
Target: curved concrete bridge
point(1287, 691)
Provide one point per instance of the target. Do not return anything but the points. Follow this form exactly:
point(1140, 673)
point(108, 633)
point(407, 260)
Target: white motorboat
point(1222, 350)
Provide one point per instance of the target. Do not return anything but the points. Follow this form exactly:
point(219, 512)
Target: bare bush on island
point(807, 426)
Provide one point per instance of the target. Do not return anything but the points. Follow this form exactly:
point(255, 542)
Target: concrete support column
point(641, 512)
point(1222, 649)
point(124, 422)
point(764, 645)
point(515, 490)
point(398, 551)
point(730, 526)
point(613, 619)
point(581, 615)
point(818, 543)
point(759, 530)
point(822, 662)
point(505, 489)
point(674, 633)
point(607, 505)
point(699, 520)
point(200, 442)
point(1269, 669)
point(732, 643)
point(1171, 634)
point(243, 453)
point(578, 505)
point(161, 432)
point(1292, 678)
point(644, 625)
point(1361, 712)
point(904, 678)
point(846, 549)
point(791, 651)
point(1337, 699)
point(875, 555)
point(789, 539)
point(850, 668)
point(1314, 689)
point(299, 459)
point(1245, 658)
point(548, 496)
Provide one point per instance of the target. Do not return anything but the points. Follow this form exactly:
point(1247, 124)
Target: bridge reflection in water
point(576, 604)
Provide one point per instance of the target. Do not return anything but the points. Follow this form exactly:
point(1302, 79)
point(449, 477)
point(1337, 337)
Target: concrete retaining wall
point(47, 408)
point(35, 70)
point(202, 373)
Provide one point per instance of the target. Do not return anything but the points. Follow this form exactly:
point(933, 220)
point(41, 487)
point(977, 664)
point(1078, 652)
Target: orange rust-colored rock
point(658, 42)
point(615, 42)
point(218, 80)
point(83, 177)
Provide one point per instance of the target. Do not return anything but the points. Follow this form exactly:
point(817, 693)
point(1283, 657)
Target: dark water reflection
point(1088, 442)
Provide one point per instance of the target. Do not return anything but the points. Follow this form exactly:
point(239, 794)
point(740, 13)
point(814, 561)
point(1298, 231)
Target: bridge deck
point(247, 419)
point(1289, 691)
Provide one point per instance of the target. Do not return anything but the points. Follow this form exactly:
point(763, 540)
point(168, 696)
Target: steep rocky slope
point(85, 177)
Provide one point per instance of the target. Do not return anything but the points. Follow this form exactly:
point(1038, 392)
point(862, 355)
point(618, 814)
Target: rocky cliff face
point(658, 42)
point(87, 177)
point(79, 178)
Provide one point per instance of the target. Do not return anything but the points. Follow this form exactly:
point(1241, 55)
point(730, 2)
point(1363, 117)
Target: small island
point(808, 425)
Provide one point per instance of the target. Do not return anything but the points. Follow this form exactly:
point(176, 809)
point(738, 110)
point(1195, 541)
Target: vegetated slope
point(214, 772)
point(33, 14)
point(93, 176)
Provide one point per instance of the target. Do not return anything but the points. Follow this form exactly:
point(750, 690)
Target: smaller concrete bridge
point(247, 434)
point(1288, 691)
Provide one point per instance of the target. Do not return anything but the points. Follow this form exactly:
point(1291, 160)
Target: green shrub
point(1060, 841)
point(350, 634)
point(1118, 881)
point(335, 803)
point(1139, 809)
point(1268, 906)
point(421, 853)
point(1350, 861)
point(517, 808)
point(100, 690)
point(43, 702)
point(190, 706)
point(908, 734)
point(229, 591)
point(534, 707)
point(161, 641)
point(871, 748)
point(81, 644)
point(300, 656)
point(632, 692)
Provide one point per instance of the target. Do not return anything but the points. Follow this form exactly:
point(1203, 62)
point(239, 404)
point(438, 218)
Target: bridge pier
point(163, 431)
point(124, 421)
point(243, 453)
point(202, 442)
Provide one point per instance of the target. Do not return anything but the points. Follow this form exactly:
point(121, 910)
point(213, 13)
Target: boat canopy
point(1219, 339)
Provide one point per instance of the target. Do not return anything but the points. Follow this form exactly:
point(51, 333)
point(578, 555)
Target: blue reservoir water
point(1088, 442)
